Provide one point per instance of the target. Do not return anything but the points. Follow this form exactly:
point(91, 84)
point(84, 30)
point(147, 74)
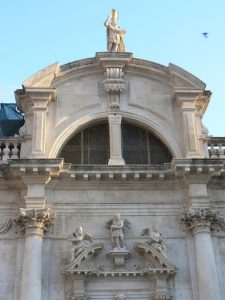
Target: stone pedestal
point(119, 255)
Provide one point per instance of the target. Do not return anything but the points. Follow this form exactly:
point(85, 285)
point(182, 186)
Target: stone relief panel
point(145, 259)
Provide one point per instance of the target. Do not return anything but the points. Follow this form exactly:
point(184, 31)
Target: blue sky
point(34, 34)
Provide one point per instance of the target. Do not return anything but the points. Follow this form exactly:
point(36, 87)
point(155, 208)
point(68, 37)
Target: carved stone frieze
point(34, 221)
point(204, 217)
point(5, 225)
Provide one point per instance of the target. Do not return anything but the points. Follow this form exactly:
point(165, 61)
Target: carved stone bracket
point(5, 225)
point(114, 85)
point(204, 217)
point(34, 221)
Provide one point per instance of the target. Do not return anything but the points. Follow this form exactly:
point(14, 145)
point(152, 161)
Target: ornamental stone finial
point(204, 217)
point(34, 221)
point(115, 34)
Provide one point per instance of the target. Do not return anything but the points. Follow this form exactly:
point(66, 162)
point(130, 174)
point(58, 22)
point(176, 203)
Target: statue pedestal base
point(119, 255)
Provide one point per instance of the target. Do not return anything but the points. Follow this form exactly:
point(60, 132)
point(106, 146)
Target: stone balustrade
point(9, 148)
point(216, 147)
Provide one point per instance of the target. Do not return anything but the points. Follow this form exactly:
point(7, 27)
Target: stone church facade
point(113, 189)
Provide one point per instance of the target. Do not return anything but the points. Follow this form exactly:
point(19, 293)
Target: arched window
point(141, 147)
point(88, 147)
point(91, 146)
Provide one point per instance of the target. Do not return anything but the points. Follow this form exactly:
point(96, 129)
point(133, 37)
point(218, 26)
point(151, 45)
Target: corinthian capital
point(204, 217)
point(34, 221)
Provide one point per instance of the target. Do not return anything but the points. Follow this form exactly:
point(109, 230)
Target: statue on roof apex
point(115, 35)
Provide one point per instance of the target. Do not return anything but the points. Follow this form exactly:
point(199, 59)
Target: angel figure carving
point(117, 226)
point(155, 238)
point(79, 241)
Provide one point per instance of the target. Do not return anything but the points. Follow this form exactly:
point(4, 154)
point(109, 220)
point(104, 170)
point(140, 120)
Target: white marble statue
point(155, 239)
point(79, 241)
point(117, 232)
point(115, 34)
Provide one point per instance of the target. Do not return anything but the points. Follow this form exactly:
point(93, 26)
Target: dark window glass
point(142, 147)
point(91, 146)
point(88, 147)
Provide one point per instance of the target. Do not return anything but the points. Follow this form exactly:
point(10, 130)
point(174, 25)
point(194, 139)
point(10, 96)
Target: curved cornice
point(42, 78)
point(173, 75)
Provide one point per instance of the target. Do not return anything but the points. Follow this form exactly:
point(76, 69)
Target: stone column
point(201, 222)
point(33, 223)
point(115, 140)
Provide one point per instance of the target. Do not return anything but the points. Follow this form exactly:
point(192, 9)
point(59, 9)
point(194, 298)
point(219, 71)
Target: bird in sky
point(205, 34)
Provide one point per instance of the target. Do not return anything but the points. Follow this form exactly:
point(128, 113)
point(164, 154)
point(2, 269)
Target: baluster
point(221, 151)
point(6, 152)
point(213, 152)
point(1, 151)
point(15, 150)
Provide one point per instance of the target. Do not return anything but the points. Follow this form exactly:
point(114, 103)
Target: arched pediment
point(173, 75)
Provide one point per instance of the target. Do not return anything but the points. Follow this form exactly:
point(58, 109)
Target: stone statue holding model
point(115, 35)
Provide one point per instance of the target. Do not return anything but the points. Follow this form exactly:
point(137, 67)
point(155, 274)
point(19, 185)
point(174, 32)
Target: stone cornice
point(193, 170)
point(203, 168)
point(37, 170)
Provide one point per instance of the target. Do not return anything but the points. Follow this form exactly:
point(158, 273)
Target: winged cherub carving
point(80, 242)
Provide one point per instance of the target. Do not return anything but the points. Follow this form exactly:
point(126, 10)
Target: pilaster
point(40, 98)
point(115, 140)
point(192, 108)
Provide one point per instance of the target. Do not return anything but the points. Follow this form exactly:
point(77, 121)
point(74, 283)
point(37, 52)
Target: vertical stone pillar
point(192, 105)
point(40, 98)
point(115, 140)
point(78, 292)
point(33, 223)
point(201, 222)
point(161, 288)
